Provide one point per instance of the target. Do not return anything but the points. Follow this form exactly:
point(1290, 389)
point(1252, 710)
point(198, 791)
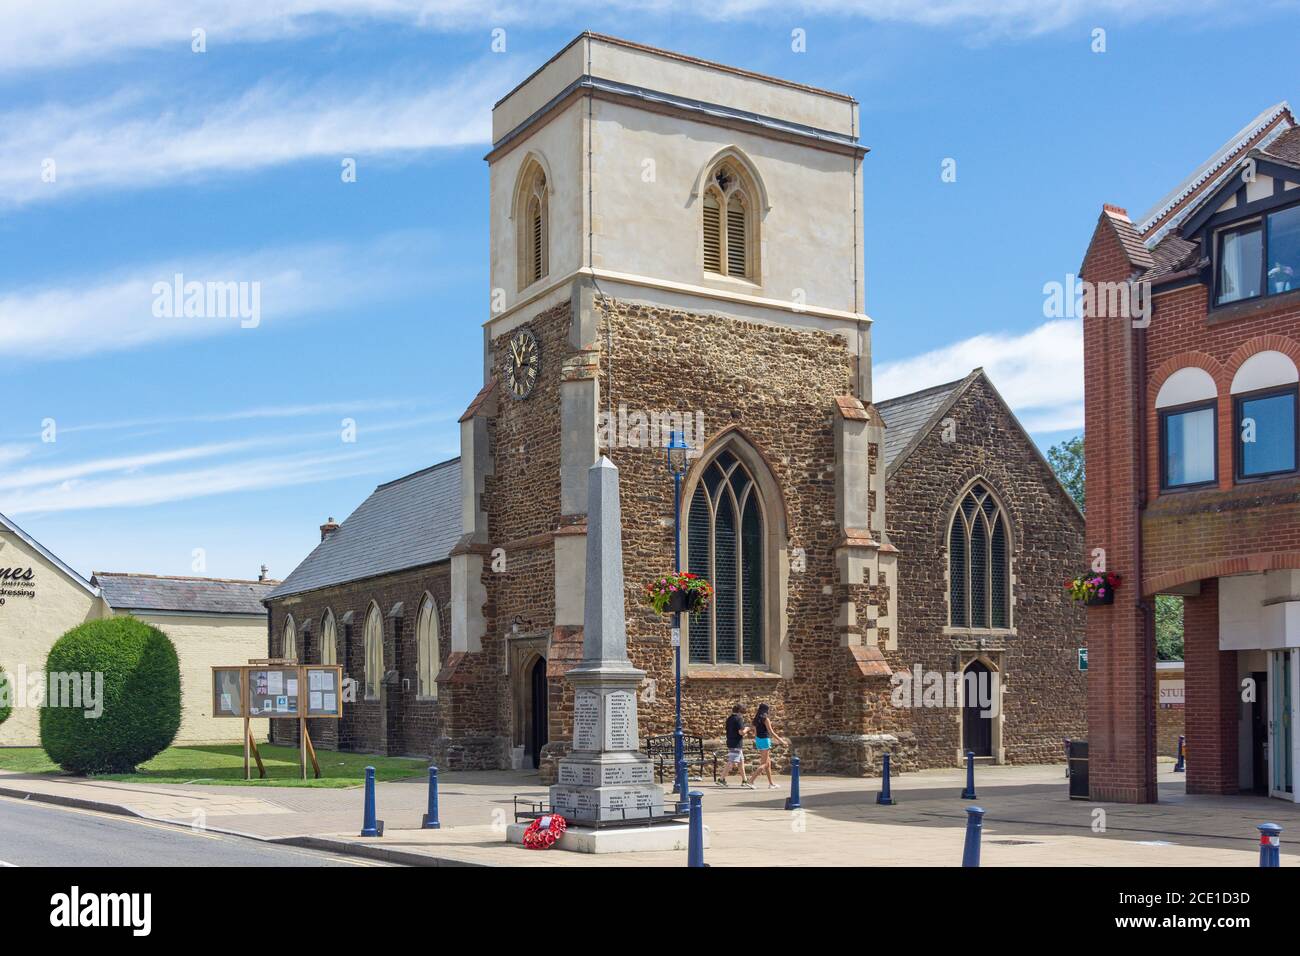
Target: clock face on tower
point(523, 363)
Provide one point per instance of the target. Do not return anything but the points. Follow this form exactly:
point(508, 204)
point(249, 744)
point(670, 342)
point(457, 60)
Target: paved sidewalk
point(1029, 821)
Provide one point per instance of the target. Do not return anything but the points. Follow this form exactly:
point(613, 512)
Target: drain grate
point(1016, 842)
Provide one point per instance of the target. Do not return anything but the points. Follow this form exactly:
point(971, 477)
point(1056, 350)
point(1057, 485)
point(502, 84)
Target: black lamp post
point(677, 449)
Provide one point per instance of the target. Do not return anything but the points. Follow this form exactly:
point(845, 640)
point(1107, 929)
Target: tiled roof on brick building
point(1286, 148)
point(1172, 254)
point(1260, 133)
point(406, 523)
point(152, 592)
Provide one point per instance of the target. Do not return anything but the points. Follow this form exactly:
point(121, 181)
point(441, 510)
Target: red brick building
point(1192, 343)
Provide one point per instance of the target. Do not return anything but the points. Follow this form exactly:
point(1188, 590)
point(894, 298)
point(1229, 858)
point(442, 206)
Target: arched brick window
point(979, 562)
point(1265, 420)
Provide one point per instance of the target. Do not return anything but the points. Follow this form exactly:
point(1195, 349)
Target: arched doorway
point(978, 708)
point(538, 729)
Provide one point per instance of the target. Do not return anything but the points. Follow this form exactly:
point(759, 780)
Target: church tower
point(675, 245)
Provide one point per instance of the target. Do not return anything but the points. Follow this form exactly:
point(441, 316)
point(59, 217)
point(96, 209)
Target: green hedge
point(6, 690)
point(141, 697)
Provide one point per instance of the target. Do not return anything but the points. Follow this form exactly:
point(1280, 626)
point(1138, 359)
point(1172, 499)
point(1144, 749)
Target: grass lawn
point(224, 764)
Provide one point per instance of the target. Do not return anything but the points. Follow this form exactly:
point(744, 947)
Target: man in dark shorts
point(736, 732)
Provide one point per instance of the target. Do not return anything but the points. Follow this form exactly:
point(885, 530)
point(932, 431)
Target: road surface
point(41, 834)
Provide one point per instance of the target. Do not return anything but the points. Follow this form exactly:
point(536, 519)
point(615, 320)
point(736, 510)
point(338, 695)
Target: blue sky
point(176, 435)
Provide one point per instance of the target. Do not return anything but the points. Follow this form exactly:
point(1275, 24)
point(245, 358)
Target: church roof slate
point(907, 417)
point(406, 523)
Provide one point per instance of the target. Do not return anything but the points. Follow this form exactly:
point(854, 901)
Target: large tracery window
point(979, 563)
point(725, 544)
point(730, 224)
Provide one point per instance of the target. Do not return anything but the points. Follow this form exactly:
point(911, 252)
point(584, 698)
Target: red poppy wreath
point(544, 831)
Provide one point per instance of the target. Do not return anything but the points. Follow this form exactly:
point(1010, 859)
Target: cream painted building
point(210, 621)
point(40, 599)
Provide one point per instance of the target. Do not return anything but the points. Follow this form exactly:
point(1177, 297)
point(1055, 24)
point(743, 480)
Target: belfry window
point(534, 228)
point(730, 226)
point(725, 542)
point(979, 563)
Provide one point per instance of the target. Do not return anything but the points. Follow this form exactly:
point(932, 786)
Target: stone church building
point(677, 245)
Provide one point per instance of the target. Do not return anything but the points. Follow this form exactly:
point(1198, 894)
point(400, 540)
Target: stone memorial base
point(665, 836)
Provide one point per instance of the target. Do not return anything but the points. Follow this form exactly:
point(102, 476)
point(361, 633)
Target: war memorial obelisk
point(606, 780)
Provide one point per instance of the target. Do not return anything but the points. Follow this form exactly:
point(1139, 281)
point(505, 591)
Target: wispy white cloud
point(244, 414)
point(62, 474)
point(1039, 373)
point(129, 139)
point(116, 312)
point(45, 33)
point(131, 488)
point(12, 453)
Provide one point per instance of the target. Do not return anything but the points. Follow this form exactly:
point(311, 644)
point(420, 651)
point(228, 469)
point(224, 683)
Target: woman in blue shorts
point(764, 734)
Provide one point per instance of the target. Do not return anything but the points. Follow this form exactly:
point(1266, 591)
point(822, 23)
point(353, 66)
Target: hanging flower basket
point(683, 593)
point(543, 832)
point(1094, 589)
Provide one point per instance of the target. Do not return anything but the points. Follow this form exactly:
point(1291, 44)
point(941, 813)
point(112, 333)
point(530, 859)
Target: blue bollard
point(682, 782)
point(974, 827)
point(1181, 766)
point(369, 825)
point(430, 821)
point(969, 792)
point(1270, 845)
point(695, 837)
point(884, 797)
point(792, 801)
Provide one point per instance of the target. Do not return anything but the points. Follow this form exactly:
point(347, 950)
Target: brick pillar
point(1121, 657)
point(1211, 711)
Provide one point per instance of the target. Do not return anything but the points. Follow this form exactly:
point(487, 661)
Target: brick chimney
point(328, 528)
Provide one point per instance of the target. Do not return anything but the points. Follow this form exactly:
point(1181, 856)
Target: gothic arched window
point(730, 226)
point(725, 545)
point(289, 645)
point(328, 640)
point(426, 640)
point(374, 651)
point(979, 562)
point(533, 235)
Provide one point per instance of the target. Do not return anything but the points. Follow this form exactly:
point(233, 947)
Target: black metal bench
point(661, 750)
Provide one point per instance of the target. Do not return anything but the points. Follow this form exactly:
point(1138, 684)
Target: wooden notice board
point(278, 689)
